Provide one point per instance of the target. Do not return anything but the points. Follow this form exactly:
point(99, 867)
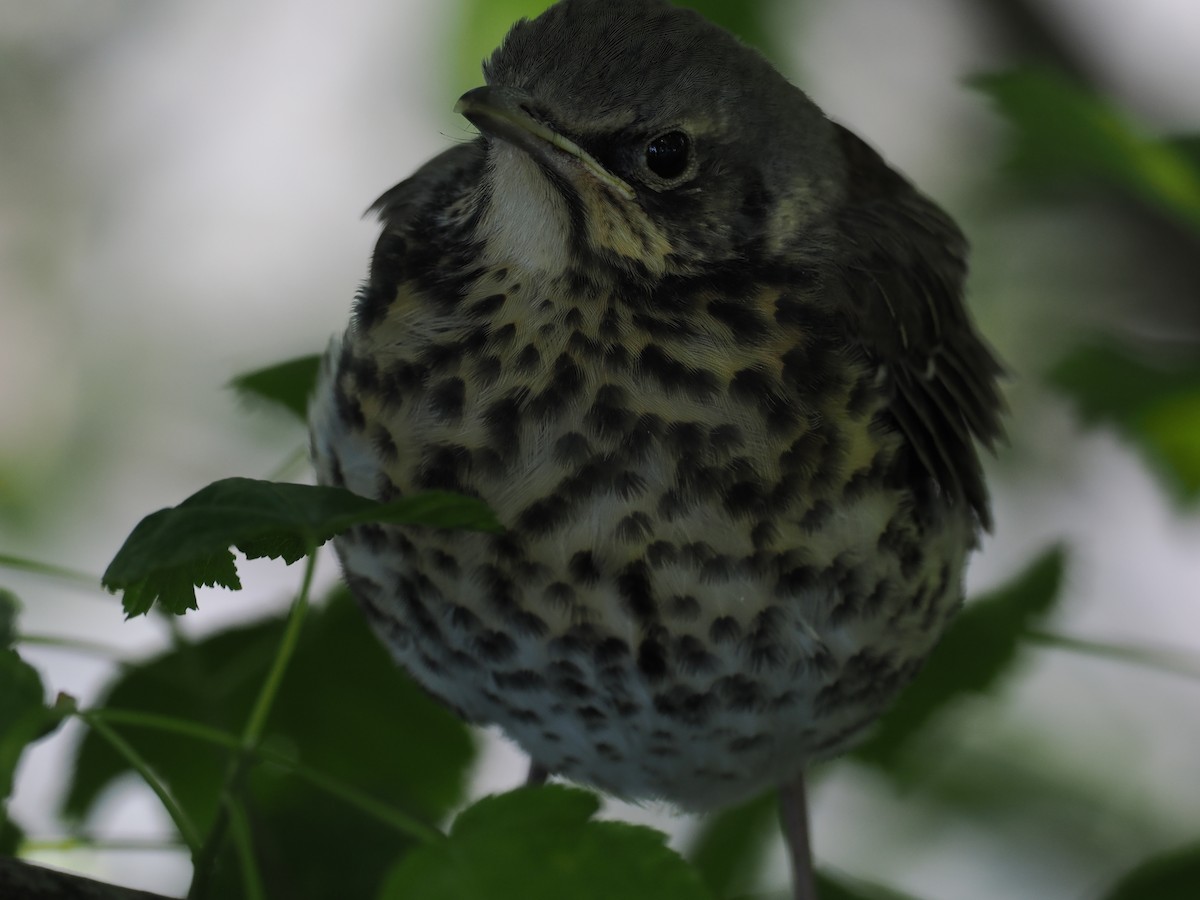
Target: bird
point(706, 356)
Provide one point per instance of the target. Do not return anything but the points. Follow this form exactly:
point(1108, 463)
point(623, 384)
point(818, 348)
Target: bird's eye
point(667, 154)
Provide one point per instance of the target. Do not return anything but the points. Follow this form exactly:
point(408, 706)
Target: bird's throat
point(525, 224)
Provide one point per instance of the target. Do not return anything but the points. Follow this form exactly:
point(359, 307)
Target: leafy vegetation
point(296, 760)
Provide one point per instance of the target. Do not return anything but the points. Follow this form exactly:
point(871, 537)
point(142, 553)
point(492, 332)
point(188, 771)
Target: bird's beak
point(505, 113)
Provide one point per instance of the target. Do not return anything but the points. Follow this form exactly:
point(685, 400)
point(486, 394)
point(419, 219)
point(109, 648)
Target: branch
point(19, 878)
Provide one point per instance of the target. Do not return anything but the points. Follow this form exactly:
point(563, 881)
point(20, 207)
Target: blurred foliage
point(979, 648)
point(1172, 876)
point(1154, 401)
point(345, 710)
point(542, 844)
point(483, 24)
point(176, 550)
point(10, 606)
point(1068, 136)
point(286, 384)
point(730, 848)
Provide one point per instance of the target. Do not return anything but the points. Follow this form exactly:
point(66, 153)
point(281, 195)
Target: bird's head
point(637, 136)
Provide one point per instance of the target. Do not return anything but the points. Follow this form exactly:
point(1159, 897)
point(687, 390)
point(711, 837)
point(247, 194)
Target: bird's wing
point(900, 289)
point(407, 212)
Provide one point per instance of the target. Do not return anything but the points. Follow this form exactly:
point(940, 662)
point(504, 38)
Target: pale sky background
point(180, 195)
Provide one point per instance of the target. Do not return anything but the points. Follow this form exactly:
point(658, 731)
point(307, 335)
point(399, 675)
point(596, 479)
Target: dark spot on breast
point(739, 692)
point(444, 562)
point(745, 322)
point(673, 375)
point(446, 399)
point(584, 568)
point(403, 377)
point(764, 534)
point(683, 704)
point(683, 608)
point(608, 416)
point(544, 516)
point(744, 498)
point(642, 437)
point(528, 359)
point(349, 410)
point(652, 659)
point(504, 335)
point(635, 527)
point(685, 437)
point(441, 356)
point(724, 629)
point(817, 367)
point(519, 680)
point(610, 650)
point(495, 646)
point(381, 440)
point(610, 324)
point(559, 594)
point(585, 346)
point(692, 656)
point(572, 449)
point(486, 369)
point(616, 359)
point(564, 387)
point(529, 624)
point(673, 504)
point(661, 553)
point(444, 467)
point(488, 306)
point(796, 580)
point(817, 517)
point(725, 439)
point(463, 619)
point(502, 421)
point(633, 586)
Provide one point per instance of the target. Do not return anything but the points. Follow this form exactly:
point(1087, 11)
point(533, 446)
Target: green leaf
point(979, 648)
point(287, 384)
point(1172, 876)
point(10, 606)
point(731, 846)
point(1155, 402)
point(745, 18)
point(484, 23)
point(1063, 133)
point(344, 709)
point(10, 834)
point(24, 715)
point(542, 844)
point(175, 550)
point(842, 887)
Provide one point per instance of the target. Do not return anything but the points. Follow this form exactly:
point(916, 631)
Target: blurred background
point(180, 196)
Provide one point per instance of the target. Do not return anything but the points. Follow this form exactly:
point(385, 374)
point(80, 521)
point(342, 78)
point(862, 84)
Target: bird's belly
point(672, 612)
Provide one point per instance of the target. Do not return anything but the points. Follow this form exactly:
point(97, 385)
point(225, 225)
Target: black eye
point(667, 154)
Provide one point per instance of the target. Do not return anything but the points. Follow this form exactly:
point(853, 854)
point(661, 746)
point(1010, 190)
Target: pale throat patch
point(526, 224)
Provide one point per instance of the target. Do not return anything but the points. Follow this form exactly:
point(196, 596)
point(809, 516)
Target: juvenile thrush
point(705, 355)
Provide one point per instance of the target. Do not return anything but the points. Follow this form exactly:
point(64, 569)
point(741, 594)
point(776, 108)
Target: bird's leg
point(537, 774)
point(793, 811)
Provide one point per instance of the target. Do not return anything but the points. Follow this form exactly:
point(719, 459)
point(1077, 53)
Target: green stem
point(251, 735)
point(183, 823)
point(257, 722)
point(1176, 662)
point(347, 793)
point(7, 561)
point(83, 842)
point(239, 827)
point(91, 648)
